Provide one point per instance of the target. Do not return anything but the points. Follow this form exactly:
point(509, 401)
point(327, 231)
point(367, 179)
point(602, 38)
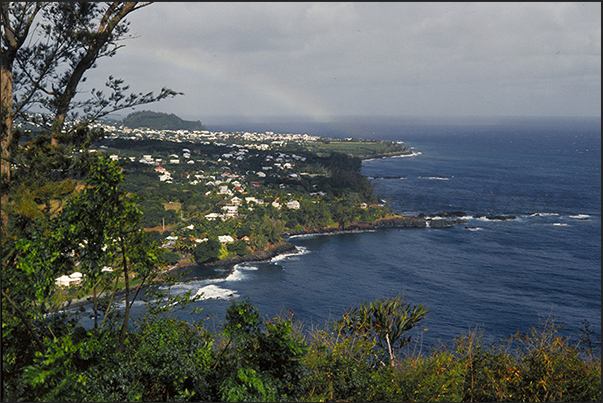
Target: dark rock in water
point(442, 223)
point(451, 214)
point(502, 217)
point(402, 222)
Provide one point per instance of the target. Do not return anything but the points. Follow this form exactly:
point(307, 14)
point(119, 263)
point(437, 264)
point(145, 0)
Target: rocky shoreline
point(286, 247)
point(403, 153)
point(444, 219)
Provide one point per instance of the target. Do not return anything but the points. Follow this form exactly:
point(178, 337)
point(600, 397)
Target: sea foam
point(214, 292)
point(580, 216)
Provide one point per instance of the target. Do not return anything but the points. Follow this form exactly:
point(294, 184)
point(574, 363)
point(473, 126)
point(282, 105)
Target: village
point(221, 185)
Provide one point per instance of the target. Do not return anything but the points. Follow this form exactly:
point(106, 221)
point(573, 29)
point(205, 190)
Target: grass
point(172, 206)
point(356, 148)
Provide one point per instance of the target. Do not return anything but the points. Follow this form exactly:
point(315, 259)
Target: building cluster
point(251, 140)
point(215, 175)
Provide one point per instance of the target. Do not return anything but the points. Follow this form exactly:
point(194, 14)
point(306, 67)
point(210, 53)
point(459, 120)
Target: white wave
point(413, 154)
point(179, 288)
point(215, 292)
point(437, 178)
point(245, 266)
point(544, 215)
point(580, 216)
point(302, 250)
point(284, 256)
point(560, 224)
point(474, 228)
point(482, 218)
point(303, 236)
point(237, 274)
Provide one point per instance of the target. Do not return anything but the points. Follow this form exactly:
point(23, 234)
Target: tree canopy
point(47, 48)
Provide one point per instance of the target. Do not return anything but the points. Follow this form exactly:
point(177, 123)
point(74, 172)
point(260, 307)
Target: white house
point(74, 278)
point(225, 239)
point(211, 216)
point(293, 205)
point(63, 281)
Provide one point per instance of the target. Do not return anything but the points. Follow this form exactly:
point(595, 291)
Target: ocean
point(498, 277)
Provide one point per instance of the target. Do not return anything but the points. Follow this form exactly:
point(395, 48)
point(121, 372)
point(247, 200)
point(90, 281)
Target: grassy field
point(362, 149)
point(172, 206)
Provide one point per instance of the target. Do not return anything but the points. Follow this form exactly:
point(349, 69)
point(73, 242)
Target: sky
point(318, 61)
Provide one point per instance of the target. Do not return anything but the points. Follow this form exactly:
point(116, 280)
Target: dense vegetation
point(332, 194)
point(366, 355)
point(159, 121)
point(65, 209)
point(255, 359)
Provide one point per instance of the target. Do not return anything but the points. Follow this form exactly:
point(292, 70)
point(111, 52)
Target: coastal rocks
point(285, 247)
point(442, 223)
point(259, 256)
point(402, 222)
point(499, 217)
point(451, 214)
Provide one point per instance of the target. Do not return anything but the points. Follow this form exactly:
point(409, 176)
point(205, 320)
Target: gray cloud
point(323, 59)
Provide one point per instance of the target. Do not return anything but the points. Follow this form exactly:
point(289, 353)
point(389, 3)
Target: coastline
point(405, 153)
point(287, 247)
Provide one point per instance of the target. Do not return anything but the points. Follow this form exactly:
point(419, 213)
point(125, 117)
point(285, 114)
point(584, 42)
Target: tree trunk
point(26, 322)
point(7, 118)
point(103, 36)
point(124, 326)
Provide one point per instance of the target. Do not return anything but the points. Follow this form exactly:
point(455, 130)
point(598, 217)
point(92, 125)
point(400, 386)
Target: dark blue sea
point(500, 277)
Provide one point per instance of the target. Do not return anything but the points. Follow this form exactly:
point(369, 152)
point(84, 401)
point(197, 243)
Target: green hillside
point(160, 121)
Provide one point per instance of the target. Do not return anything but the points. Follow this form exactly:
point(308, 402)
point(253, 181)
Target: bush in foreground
point(250, 359)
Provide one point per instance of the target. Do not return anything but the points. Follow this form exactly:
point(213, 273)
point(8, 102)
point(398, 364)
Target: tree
point(46, 50)
point(261, 360)
point(383, 322)
point(207, 251)
point(103, 223)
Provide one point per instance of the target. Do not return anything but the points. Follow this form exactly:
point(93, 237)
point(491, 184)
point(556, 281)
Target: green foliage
point(340, 368)
point(385, 323)
point(437, 377)
point(207, 251)
point(168, 359)
point(169, 257)
point(161, 303)
point(238, 248)
point(261, 361)
point(172, 361)
point(550, 369)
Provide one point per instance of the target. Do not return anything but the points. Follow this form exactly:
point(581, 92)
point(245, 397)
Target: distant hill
point(160, 121)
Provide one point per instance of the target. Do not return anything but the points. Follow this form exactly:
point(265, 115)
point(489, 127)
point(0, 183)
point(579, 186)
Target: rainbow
point(297, 103)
